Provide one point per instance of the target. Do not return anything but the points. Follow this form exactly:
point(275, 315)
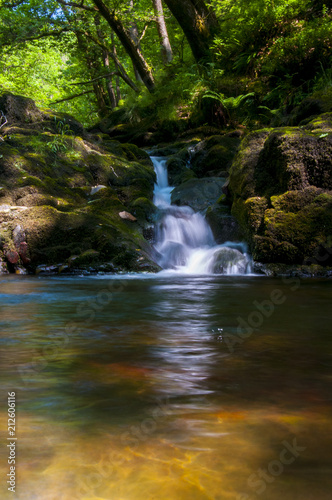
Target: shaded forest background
point(220, 62)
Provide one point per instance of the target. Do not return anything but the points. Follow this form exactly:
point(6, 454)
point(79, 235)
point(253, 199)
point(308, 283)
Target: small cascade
point(184, 240)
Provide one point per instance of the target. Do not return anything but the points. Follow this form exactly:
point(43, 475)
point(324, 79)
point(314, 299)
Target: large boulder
point(224, 226)
point(198, 194)
point(214, 156)
point(281, 192)
point(61, 195)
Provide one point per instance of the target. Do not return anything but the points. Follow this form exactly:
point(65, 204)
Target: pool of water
point(167, 387)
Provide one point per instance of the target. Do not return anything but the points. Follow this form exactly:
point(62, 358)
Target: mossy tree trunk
point(198, 23)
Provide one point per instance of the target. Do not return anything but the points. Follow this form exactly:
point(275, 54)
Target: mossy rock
point(142, 208)
point(250, 215)
point(122, 174)
point(47, 192)
point(86, 258)
point(214, 156)
point(320, 125)
point(293, 201)
point(133, 153)
point(177, 169)
point(306, 229)
point(140, 188)
point(242, 172)
point(292, 160)
point(318, 103)
point(271, 162)
point(267, 249)
point(19, 109)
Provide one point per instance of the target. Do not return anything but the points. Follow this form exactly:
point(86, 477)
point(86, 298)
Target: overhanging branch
point(78, 6)
point(72, 97)
point(108, 75)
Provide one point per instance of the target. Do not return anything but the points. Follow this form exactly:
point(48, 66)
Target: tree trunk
point(133, 30)
point(128, 44)
point(166, 49)
point(109, 83)
point(106, 63)
point(198, 23)
point(92, 65)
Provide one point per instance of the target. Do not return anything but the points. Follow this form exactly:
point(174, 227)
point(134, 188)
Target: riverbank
point(73, 201)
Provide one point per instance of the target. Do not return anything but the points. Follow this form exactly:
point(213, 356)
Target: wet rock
point(198, 194)
point(223, 225)
point(20, 270)
point(178, 169)
point(24, 253)
point(228, 259)
point(297, 271)
point(127, 216)
point(95, 189)
point(12, 256)
point(18, 236)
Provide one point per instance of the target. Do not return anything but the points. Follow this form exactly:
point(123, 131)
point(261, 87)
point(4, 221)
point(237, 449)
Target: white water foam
point(184, 240)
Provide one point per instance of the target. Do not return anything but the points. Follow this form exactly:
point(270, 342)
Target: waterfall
point(184, 240)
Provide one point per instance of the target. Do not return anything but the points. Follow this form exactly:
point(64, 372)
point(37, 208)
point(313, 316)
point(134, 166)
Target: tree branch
point(5, 118)
point(78, 6)
point(47, 34)
point(122, 71)
point(72, 97)
point(35, 37)
point(143, 33)
point(97, 78)
point(4, 123)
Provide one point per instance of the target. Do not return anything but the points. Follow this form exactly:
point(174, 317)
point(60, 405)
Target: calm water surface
point(168, 388)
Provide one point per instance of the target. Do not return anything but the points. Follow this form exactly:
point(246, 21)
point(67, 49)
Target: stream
point(184, 240)
point(201, 382)
point(168, 387)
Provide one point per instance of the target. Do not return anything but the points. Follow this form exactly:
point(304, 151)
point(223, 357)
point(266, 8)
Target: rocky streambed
point(73, 201)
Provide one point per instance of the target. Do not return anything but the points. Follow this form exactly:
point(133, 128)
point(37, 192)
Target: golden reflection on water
point(58, 462)
point(143, 407)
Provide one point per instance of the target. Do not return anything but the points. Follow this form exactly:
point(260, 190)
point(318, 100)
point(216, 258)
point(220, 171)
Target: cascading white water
point(184, 240)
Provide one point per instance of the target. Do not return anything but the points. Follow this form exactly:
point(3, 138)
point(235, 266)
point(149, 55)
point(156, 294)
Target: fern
point(228, 103)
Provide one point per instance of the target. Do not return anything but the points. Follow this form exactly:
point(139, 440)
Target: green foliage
point(228, 103)
point(266, 54)
point(60, 139)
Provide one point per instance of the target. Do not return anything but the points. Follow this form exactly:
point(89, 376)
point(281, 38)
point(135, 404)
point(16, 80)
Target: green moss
point(30, 180)
point(88, 257)
point(134, 153)
point(222, 200)
point(142, 208)
point(250, 215)
point(306, 229)
point(267, 249)
point(242, 171)
point(293, 201)
point(215, 154)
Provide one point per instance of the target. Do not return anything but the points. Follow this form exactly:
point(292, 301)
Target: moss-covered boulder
point(280, 187)
point(214, 156)
point(48, 178)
